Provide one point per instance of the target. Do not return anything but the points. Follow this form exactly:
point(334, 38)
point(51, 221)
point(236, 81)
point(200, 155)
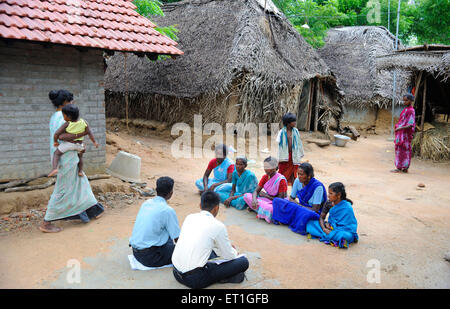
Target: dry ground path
point(403, 228)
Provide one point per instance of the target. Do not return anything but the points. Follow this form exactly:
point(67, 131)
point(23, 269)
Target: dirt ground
point(402, 227)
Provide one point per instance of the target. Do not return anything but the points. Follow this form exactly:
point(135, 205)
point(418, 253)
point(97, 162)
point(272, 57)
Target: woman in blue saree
point(72, 197)
point(222, 168)
point(242, 181)
point(311, 195)
point(341, 228)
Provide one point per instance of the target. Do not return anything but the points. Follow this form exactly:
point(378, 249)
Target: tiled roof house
point(59, 44)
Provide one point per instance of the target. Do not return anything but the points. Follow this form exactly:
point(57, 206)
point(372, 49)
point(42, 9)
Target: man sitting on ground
point(200, 233)
point(156, 228)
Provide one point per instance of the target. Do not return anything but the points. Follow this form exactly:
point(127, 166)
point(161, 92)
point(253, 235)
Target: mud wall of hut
point(246, 101)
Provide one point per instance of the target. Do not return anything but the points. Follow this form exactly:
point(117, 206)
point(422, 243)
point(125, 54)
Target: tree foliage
point(149, 8)
point(432, 22)
point(421, 21)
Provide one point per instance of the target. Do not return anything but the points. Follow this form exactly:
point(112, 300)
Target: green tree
point(311, 19)
point(149, 8)
point(432, 22)
point(421, 21)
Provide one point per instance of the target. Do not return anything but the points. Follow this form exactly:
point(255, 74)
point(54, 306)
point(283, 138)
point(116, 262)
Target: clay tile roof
point(105, 24)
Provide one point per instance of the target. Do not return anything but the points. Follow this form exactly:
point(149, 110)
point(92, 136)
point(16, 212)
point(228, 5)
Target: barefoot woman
point(72, 197)
point(404, 132)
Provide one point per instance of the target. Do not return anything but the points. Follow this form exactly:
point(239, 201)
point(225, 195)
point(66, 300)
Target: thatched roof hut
point(434, 59)
point(351, 53)
point(241, 63)
point(429, 67)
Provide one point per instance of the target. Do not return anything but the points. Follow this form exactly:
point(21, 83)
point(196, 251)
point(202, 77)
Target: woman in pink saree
point(274, 185)
point(404, 132)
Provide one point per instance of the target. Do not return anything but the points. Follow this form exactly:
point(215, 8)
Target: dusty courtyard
point(402, 227)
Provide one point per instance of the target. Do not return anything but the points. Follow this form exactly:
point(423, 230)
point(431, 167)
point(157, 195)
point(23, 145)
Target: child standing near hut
point(290, 148)
point(73, 125)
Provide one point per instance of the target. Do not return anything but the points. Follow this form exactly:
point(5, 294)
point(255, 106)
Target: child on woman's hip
point(73, 125)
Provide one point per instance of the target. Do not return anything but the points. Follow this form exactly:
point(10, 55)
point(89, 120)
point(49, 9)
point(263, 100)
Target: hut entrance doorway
point(437, 98)
point(307, 107)
point(303, 106)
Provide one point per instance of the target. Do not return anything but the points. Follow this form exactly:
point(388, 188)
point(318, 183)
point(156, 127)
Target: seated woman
point(274, 185)
point(311, 194)
point(340, 230)
point(243, 181)
point(223, 169)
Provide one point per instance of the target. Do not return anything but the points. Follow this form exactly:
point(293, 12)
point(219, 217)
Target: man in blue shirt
point(156, 228)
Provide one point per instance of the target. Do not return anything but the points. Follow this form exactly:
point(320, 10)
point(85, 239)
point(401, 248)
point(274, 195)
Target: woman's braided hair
point(338, 187)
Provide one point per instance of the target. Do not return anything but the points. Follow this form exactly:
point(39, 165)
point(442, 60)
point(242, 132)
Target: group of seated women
point(304, 211)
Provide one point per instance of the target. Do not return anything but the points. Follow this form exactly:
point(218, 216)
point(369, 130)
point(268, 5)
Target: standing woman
point(72, 197)
point(340, 230)
point(274, 185)
point(290, 148)
point(404, 132)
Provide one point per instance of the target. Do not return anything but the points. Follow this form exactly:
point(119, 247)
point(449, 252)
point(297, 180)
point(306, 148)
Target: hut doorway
point(432, 108)
point(308, 107)
point(303, 106)
point(437, 98)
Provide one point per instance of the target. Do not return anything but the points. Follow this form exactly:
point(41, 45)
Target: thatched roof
point(351, 53)
point(221, 40)
point(434, 59)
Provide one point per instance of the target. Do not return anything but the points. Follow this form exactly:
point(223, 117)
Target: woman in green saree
point(72, 197)
point(243, 181)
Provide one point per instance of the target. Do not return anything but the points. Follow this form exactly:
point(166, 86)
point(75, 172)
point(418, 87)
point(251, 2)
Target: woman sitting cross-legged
point(311, 194)
point(274, 185)
point(222, 168)
point(243, 181)
point(340, 230)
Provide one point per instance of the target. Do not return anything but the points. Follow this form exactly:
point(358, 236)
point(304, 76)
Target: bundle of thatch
point(351, 53)
point(433, 59)
point(435, 143)
point(241, 63)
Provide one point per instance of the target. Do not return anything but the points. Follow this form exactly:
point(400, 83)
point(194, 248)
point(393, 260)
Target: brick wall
point(28, 71)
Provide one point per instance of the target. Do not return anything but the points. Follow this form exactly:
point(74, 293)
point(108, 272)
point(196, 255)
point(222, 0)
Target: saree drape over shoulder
point(219, 175)
point(289, 160)
point(403, 138)
point(72, 197)
point(246, 183)
point(265, 207)
point(343, 221)
point(294, 215)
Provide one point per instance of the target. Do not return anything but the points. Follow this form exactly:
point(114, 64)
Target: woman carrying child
point(72, 197)
point(73, 125)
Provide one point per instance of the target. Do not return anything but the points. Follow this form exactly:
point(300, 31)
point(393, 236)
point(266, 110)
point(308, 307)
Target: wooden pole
point(424, 106)
point(316, 106)
point(126, 91)
point(419, 79)
point(310, 102)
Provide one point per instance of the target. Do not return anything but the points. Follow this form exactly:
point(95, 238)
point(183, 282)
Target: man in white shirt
point(200, 234)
